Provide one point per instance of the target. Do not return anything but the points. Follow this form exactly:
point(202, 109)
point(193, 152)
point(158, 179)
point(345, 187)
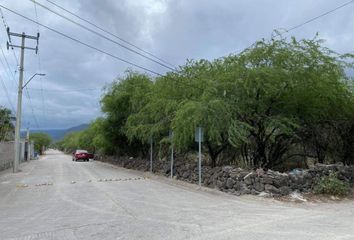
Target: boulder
point(285, 190)
point(230, 183)
point(258, 186)
point(271, 189)
point(267, 179)
point(220, 184)
point(186, 174)
point(281, 180)
point(248, 179)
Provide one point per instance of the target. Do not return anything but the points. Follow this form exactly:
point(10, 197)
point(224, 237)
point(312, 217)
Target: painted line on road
point(24, 185)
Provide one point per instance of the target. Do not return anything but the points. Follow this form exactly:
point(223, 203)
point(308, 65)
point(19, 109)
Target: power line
point(9, 39)
point(102, 51)
point(81, 42)
point(108, 32)
point(8, 66)
point(103, 36)
point(306, 22)
point(31, 106)
point(7, 95)
point(319, 16)
point(68, 90)
point(39, 64)
point(97, 49)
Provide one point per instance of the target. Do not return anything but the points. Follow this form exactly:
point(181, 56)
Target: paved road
point(152, 208)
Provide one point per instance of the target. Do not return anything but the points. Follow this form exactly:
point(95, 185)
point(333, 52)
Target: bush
point(332, 185)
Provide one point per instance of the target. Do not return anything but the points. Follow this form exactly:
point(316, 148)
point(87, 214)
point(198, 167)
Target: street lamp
point(18, 117)
point(39, 74)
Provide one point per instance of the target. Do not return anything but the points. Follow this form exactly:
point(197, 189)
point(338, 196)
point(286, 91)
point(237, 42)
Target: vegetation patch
point(275, 104)
point(331, 185)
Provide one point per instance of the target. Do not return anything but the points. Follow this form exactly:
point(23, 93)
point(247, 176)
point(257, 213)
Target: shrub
point(332, 185)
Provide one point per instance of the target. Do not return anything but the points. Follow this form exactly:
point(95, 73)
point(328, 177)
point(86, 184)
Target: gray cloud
point(174, 30)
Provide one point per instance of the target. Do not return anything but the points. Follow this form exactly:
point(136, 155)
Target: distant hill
point(58, 134)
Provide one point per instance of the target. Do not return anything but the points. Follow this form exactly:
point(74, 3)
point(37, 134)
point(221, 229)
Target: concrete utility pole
point(23, 36)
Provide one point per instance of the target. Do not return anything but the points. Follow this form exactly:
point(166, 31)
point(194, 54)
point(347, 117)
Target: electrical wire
point(7, 94)
point(40, 65)
point(110, 33)
point(81, 42)
point(319, 16)
point(8, 69)
point(101, 35)
point(68, 90)
point(9, 39)
point(31, 106)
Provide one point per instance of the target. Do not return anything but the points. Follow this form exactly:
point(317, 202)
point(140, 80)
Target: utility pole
point(23, 36)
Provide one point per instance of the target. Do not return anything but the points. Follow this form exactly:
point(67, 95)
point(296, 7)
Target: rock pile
point(240, 181)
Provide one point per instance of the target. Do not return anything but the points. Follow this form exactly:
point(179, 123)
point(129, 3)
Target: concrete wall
point(6, 155)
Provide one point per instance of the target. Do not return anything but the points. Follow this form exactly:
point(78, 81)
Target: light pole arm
point(40, 74)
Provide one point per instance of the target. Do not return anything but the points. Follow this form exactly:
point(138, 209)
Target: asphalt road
point(132, 207)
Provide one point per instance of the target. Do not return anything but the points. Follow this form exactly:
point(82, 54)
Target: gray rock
point(271, 189)
point(254, 192)
point(186, 175)
point(230, 183)
point(280, 181)
point(248, 179)
point(258, 186)
point(264, 194)
point(285, 190)
point(220, 184)
point(235, 173)
point(267, 179)
point(245, 191)
point(227, 169)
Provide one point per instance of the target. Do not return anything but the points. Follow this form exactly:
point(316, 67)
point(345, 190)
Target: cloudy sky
point(174, 30)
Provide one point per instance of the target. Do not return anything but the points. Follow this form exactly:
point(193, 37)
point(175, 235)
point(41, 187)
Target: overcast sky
point(174, 30)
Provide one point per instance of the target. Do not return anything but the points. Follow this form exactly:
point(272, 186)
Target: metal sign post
point(151, 142)
point(171, 138)
point(199, 138)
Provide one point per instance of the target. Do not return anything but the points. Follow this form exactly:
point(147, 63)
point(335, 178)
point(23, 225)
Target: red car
point(82, 155)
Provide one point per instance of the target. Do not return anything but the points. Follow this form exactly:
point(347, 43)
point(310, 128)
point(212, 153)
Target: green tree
point(41, 141)
point(126, 96)
point(274, 101)
point(6, 127)
point(284, 89)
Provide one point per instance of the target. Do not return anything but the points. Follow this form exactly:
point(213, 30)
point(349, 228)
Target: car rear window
point(81, 151)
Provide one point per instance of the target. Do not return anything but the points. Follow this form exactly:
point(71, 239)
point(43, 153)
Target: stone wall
point(6, 155)
point(239, 181)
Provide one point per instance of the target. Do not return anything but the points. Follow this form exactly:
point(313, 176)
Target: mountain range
point(58, 134)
